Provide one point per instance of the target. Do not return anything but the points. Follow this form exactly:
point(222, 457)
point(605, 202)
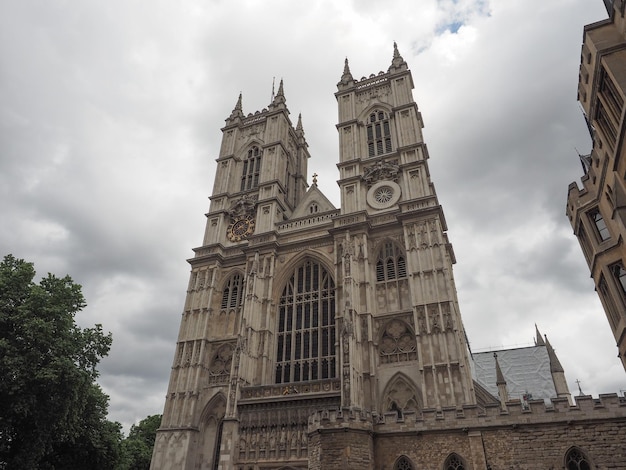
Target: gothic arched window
point(378, 134)
point(575, 459)
point(391, 263)
point(306, 326)
point(454, 462)
point(403, 463)
point(232, 295)
point(251, 169)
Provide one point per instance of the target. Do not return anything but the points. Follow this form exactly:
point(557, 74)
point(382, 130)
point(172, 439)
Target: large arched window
point(251, 169)
point(403, 463)
point(378, 134)
point(232, 295)
point(391, 263)
point(454, 462)
point(575, 459)
point(306, 326)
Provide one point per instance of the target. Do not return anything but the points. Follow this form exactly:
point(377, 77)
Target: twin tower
point(296, 308)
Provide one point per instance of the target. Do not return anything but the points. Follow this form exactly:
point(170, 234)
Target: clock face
point(240, 229)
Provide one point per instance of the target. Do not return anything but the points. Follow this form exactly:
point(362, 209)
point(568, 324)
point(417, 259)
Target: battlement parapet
point(606, 407)
point(344, 418)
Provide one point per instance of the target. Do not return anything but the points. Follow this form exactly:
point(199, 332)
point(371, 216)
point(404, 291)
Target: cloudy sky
point(109, 127)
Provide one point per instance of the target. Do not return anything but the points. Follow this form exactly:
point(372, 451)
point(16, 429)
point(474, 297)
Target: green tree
point(137, 447)
point(52, 413)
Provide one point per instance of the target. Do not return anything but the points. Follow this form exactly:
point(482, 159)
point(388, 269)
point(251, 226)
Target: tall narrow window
point(305, 336)
point(609, 302)
point(575, 459)
point(378, 134)
point(598, 220)
point(232, 295)
point(251, 169)
point(391, 263)
point(620, 276)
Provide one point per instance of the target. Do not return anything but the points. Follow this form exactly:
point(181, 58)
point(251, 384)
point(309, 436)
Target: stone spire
point(279, 100)
point(558, 374)
point(397, 63)
point(299, 125)
point(538, 339)
point(346, 78)
point(555, 365)
point(501, 383)
point(237, 110)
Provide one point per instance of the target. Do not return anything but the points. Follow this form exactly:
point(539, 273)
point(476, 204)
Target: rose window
point(383, 195)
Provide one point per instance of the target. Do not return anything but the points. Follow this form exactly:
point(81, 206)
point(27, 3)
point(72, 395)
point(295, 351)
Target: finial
point(273, 81)
point(315, 179)
point(579, 389)
point(299, 125)
point(238, 105)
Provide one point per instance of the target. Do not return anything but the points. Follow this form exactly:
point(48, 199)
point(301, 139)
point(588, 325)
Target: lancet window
point(232, 295)
point(454, 462)
point(378, 134)
point(391, 263)
point(403, 463)
point(575, 459)
point(251, 169)
point(305, 347)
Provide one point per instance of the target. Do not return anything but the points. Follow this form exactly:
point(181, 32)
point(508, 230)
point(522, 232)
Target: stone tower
point(295, 307)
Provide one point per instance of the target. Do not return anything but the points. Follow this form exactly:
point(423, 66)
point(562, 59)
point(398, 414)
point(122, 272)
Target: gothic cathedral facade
point(313, 336)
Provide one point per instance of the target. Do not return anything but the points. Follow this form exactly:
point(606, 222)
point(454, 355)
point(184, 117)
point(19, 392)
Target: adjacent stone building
point(598, 210)
point(316, 337)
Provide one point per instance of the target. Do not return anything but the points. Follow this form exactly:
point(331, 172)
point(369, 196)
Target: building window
point(306, 326)
point(403, 463)
point(598, 220)
point(609, 302)
point(313, 208)
point(454, 462)
point(391, 263)
point(575, 459)
point(619, 273)
point(611, 95)
point(606, 124)
point(251, 169)
point(232, 295)
point(378, 134)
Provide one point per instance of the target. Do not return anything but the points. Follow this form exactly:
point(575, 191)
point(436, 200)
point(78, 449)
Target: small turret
point(558, 373)
point(279, 100)
point(503, 394)
point(397, 63)
point(237, 112)
point(346, 78)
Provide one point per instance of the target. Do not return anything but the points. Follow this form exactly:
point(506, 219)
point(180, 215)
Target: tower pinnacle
point(397, 63)
point(279, 100)
point(237, 110)
point(346, 77)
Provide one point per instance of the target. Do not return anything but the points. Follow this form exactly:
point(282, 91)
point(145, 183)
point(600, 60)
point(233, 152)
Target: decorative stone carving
point(381, 171)
point(242, 207)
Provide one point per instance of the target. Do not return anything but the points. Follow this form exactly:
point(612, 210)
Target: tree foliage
point(52, 413)
point(137, 447)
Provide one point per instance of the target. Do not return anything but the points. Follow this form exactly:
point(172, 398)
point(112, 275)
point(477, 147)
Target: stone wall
point(533, 436)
